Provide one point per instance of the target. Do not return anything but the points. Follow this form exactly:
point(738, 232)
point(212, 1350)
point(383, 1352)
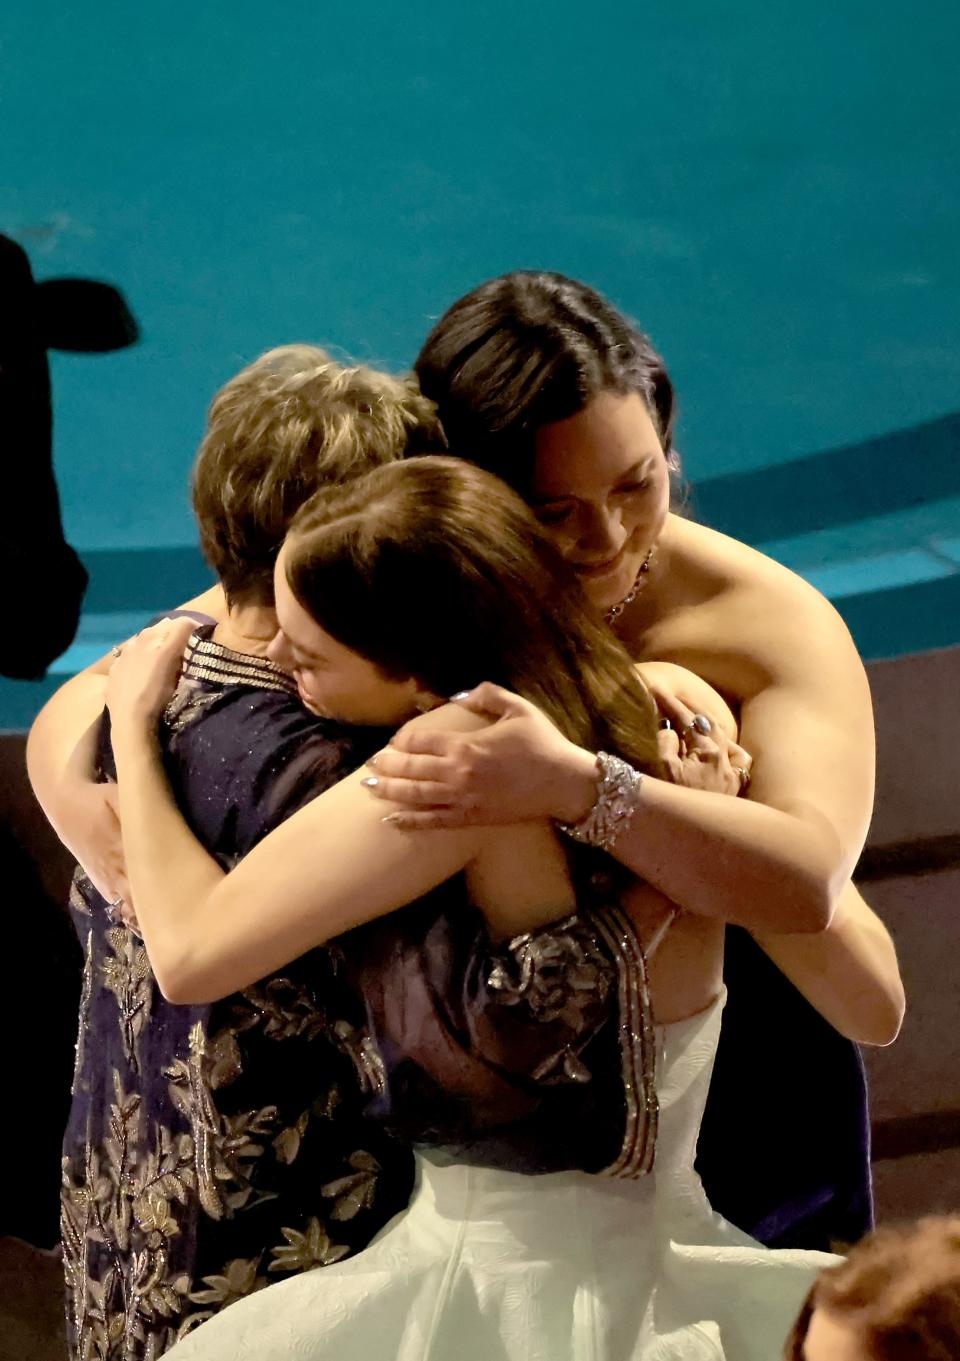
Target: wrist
point(577, 786)
point(134, 735)
point(616, 800)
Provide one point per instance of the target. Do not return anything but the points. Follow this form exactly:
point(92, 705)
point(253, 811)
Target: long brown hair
point(898, 1291)
point(435, 569)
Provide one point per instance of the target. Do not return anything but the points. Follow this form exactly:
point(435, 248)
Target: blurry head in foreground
point(895, 1298)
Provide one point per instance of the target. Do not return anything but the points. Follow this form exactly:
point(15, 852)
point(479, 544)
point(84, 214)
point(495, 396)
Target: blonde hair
point(289, 423)
point(898, 1292)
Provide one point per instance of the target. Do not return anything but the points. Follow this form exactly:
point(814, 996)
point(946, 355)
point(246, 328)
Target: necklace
point(615, 611)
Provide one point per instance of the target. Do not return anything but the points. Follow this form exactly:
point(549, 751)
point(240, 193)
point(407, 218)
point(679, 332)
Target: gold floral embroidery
point(239, 1279)
point(304, 1251)
point(287, 1143)
point(127, 974)
point(227, 1146)
point(123, 1210)
point(355, 1192)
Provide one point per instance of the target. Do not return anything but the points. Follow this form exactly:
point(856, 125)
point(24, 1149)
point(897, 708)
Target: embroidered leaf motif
point(304, 1251)
point(355, 1192)
point(287, 1143)
point(224, 1060)
point(239, 1279)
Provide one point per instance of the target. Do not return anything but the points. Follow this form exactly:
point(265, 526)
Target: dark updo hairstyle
point(525, 350)
point(434, 569)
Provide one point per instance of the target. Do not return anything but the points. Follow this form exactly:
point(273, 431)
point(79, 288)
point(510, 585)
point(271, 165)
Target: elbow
point(181, 983)
point(814, 907)
point(824, 888)
point(884, 1024)
point(179, 990)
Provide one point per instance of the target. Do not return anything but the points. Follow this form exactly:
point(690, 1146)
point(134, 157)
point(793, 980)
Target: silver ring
point(701, 724)
point(115, 902)
point(743, 776)
point(115, 651)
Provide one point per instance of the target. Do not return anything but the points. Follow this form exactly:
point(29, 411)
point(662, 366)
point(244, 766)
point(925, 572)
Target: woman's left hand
point(145, 673)
point(518, 769)
point(698, 732)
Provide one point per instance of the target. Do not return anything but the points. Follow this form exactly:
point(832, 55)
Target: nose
point(278, 650)
point(602, 533)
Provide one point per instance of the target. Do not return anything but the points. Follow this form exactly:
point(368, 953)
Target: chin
point(604, 594)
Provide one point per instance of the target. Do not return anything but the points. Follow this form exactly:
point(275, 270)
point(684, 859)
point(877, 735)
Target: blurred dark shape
point(72, 314)
point(40, 974)
point(84, 316)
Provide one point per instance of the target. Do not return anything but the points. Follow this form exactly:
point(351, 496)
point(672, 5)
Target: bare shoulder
point(742, 620)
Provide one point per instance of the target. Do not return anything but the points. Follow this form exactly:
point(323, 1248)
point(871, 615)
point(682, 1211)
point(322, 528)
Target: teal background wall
point(771, 189)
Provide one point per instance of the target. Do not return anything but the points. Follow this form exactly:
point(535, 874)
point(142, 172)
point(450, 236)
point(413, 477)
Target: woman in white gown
point(488, 1261)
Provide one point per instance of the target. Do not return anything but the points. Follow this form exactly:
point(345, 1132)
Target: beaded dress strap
point(638, 1045)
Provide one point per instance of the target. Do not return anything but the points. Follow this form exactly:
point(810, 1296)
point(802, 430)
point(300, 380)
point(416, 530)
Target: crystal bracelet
point(617, 799)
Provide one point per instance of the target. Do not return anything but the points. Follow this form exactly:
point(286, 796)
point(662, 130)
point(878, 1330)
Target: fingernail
point(372, 760)
point(370, 782)
point(461, 694)
point(392, 818)
point(665, 725)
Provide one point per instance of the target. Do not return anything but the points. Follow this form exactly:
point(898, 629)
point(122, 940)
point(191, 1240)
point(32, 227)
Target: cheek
point(649, 514)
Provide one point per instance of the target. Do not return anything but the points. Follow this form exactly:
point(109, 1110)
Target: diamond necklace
point(615, 611)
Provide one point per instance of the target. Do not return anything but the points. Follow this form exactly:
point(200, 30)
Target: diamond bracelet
point(617, 800)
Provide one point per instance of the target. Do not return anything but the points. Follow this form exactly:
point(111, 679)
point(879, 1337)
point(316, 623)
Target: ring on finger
point(665, 725)
point(115, 651)
point(743, 776)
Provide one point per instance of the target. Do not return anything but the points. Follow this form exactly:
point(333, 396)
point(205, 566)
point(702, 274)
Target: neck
point(247, 628)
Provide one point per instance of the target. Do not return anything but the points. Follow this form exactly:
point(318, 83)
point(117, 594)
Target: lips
point(306, 701)
point(600, 569)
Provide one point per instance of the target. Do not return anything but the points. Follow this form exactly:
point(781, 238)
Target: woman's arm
point(774, 862)
point(334, 865)
point(61, 758)
point(61, 748)
point(848, 972)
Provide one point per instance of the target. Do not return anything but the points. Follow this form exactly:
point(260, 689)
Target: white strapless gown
point(494, 1266)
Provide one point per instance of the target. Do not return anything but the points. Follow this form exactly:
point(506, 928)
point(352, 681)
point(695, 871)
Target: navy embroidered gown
point(213, 1149)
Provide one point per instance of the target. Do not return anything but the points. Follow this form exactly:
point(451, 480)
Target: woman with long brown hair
point(390, 593)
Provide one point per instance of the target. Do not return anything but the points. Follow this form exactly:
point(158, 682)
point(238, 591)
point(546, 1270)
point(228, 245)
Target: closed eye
point(552, 515)
point(303, 663)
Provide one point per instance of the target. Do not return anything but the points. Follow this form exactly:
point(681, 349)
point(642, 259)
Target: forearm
point(848, 972)
point(725, 858)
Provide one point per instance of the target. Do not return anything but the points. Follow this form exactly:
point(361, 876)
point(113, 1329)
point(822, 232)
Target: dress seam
point(446, 1285)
